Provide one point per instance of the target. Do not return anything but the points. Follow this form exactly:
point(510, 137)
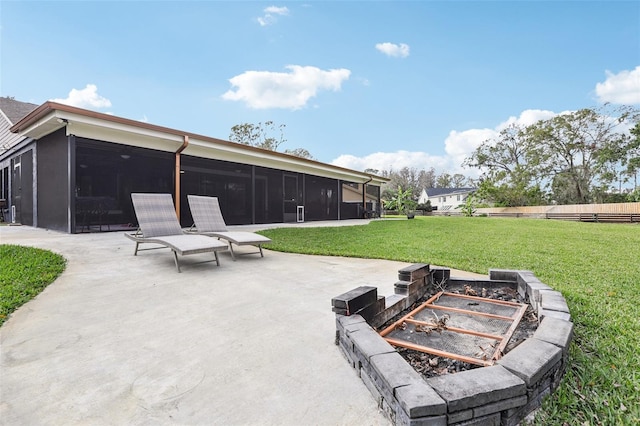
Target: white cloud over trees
point(85, 98)
point(622, 88)
point(286, 90)
point(458, 146)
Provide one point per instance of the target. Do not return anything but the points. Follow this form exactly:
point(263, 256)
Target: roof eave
point(51, 116)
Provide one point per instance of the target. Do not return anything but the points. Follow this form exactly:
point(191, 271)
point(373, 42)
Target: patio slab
point(123, 339)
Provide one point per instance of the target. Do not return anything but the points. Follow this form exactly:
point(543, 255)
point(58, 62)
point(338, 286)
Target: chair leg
point(215, 253)
point(260, 247)
point(233, 255)
point(135, 253)
point(175, 257)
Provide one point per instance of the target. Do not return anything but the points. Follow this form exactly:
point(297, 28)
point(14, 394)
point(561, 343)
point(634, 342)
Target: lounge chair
point(158, 224)
point(208, 220)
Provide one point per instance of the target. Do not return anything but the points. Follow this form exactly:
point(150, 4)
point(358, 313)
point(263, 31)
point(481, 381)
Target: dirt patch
point(430, 365)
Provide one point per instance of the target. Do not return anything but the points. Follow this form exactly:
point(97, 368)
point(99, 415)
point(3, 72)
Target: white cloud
point(621, 88)
point(266, 89)
point(391, 160)
point(396, 50)
point(527, 118)
point(271, 14)
point(458, 146)
point(85, 98)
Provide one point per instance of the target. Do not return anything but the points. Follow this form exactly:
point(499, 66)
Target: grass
point(24, 273)
point(595, 266)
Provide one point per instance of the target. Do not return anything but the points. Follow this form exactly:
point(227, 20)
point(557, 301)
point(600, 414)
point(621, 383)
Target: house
point(445, 198)
point(74, 170)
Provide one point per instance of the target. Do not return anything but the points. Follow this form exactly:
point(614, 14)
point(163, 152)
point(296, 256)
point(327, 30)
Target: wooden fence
point(614, 212)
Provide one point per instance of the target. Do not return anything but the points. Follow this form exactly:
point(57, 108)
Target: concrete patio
point(118, 339)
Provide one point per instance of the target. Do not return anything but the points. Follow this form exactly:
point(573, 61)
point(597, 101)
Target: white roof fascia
point(140, 136)
point(264, 158)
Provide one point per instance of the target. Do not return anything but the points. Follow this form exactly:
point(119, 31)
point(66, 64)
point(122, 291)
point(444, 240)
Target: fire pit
point(506, 379)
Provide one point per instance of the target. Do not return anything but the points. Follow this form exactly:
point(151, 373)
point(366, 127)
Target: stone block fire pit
point(503, 391)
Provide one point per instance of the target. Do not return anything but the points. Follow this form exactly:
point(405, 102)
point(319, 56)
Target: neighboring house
point(85, 165)
point(445, 198)
point(16, 195)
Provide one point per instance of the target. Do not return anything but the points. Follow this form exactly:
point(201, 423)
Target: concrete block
point(343, 321)
point(370, 311)
point(531, 360)
point(394, 299)
point(394, 305)
point(368, 343)
point(412, 289)
point(553, 301)
point(522, 278)
point(503, 274)
point(533, 291)
point(393, 372)
point(389, 408)
point(346, 347)
point(514, 416)
point(499, 406)
point(544, 313)
point(355, 299)
point(414, 272)
point(375, 392)
point(403, 420)
point(491, 420)
point(460, 416)
point(402, 287)
point(476, 387)
point(419, 400)
point(555, 331)
point(350, 327)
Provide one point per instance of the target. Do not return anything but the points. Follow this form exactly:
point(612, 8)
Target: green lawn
point(596, 267)
point(24, 273)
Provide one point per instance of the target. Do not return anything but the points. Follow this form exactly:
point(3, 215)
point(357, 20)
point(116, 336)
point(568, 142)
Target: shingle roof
point(15, 110)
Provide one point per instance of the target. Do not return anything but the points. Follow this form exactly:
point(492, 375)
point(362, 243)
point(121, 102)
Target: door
point(16, 189)
point(292, 197)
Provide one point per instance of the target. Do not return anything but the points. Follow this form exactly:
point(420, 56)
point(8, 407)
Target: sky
point(359, 84)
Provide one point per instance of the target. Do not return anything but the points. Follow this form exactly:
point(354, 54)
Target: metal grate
point(467, 328)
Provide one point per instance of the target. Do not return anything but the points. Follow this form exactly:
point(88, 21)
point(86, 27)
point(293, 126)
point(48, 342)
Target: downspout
point(185, 143)
point(364, 196)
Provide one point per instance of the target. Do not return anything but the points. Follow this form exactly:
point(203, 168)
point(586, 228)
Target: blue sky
point(360, 84)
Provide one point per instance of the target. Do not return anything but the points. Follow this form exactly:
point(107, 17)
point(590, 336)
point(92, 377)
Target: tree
point(299, 152)
point(405, 178)
point(427, 178)
point(458, 180)
point(258, 135)
point(576, 156)
point(632, 160)
point(587, 147)
point(469, 206)
point(510, 166)
point(261, 135)
point(402, 201)
point(444, 181)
